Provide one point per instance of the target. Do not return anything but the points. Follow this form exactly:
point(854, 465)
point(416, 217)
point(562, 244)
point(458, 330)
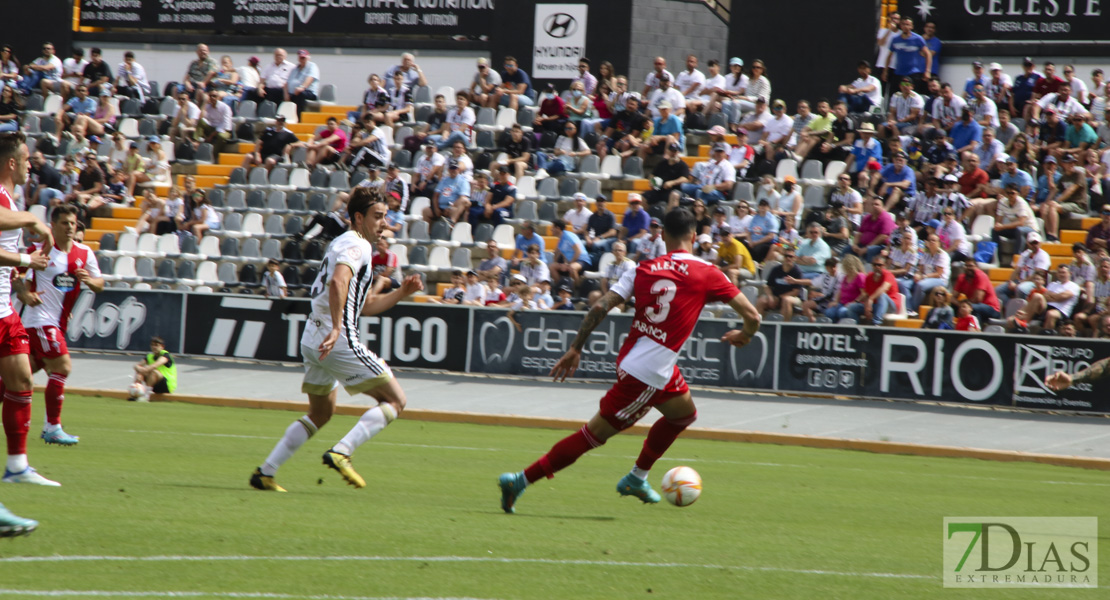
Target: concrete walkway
point(902, 422)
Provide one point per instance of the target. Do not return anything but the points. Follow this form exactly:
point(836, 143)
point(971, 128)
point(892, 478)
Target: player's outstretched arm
point(380, 304)
point(568, 364)
point(36, 260)
point(18, 219)
point(748, 312)
point(1062, 381)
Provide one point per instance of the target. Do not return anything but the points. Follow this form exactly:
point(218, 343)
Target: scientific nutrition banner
point(423, 17)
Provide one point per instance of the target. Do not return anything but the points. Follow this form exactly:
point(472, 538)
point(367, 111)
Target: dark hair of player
point(679, 223)
point(61, 211)
point(362, 198)
point(157, 340)
point(9, 145)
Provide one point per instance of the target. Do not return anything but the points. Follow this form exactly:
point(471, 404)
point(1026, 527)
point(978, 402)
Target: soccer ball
point(681, 486)
point(135, 391)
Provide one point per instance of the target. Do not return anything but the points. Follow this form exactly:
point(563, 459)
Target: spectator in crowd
point(903, 264)
point(726, 95)
point(1098, 237)
point(552, 113)
point(824, 288)
point(762, 231)
point(273, 282)
point(1013, 218)
point(412, 75)
point(518, 149)
point(668, 179)
point(579, 106)
point(905, 111)
point(274, 78)
point(72, 69)
point(131, 78)
point(375, 101)
point(494, 265)
point(759, 87)
point(812, 252)
point(215, 125)
point(578, 218)
point(782, 292)
point(81, 104)
point(455, 293)
point(272, 146)
point(1083, 274)
point(302, 83)
point(941, 314)
point(667, 130)
point(929, 34)
point(666, 93)
point(1061, 101)
point(1009, 135)
point(199, 217)
point(452, 196)
point(532, 268)
point(818, 130)
point(516, 87)
point(601, 230)
point(250, 79)
point(429, 169)
point(975, 285)
point(475, 294)
point(10, 70)
point(185, 119)
point(934, 269)
point(1070, 196)
point(790, 201)
point(458, 125)
point(635, 224)
point(905, 49)
point(400, 108)
point(883, 38)
point(874, 230)
point(733, 258)
point(1010, 173)
point(978, 77)
point(975, 182)
point(877, 298)
point(1098, 305)
point(483, 86)
point(953, 237)
point(498, 204)
point(327, 145)
point(1023, 88)
point(652, 246)
point(197, 72)
point(45, 182)
point(651, 82)
point(623, 132)
point(466, 165)
point(689, 83)
point(982, 108)
point(1080, 137)
point(850, 288)
point(365, 148)
point(588, 81)
point(990, 152)
point(96, 75)
point(714, 178)
point(44, 72)
point(897, 182)
point(864, 92)
point(1055, 303)
point(864, 151)
point(1032, 261)
point(776, 132)
point(225, 80)
point(524, 241)
point(571, 257)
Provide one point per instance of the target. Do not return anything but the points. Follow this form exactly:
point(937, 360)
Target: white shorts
point(356, 369)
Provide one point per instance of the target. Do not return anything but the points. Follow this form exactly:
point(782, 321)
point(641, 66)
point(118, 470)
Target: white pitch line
point(454, 559)
point(191, 594)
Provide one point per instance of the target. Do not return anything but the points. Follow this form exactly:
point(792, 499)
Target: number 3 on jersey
point(665, 289)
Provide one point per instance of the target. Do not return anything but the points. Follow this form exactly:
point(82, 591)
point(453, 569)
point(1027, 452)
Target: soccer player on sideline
point(15, 366)
point(13, 526)
point(49, 296)
point(1062, 381)
point(332, 350)
point(670, 292)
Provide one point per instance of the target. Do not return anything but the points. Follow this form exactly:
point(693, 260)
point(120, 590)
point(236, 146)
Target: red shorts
point(630, 399)
point(13, 338)
point(47, 342)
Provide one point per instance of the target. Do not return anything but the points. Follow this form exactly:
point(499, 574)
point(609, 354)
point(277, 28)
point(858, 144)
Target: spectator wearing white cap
point(303, 81)
point(998, 85)
point(578, 218)
point(864, 92)
point(666, 93)
point(484, 84)
point(728, 95)
point(714, 177)
point(1033, 260)
point(651, 82)
point(668, 129)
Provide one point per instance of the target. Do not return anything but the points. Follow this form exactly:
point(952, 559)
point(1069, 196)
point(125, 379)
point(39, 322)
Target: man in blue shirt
point(929, 34)
point(1048, 171)
point(303, 82)
point(570, 252)
point(966, 134)
point(516, 87)
point(635, 223)
point(667, 130)
point(1012, 174)
point(452, 196)
point(1022, 91)
point(526, 238)
point(906, 51)
point(80, 104)
point(761, 231)
point(898, 182)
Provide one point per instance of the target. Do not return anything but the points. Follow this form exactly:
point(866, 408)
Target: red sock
point(562, 455)
point(662, 434)
point(55, 396)
point(16, 414)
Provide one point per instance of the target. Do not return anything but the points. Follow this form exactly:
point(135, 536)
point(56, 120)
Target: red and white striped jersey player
point(670, 292)
point(15, 366)
point(48, 297)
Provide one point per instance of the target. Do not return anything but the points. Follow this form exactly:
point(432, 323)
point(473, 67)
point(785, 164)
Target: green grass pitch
point(155, 499)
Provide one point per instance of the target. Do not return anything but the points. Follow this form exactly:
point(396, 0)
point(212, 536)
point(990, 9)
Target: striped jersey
point(352, 250)
point(10, 241)
point(58, 286)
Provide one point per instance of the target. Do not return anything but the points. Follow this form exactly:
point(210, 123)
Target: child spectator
point(823, 290)
point(272, 281)
point(455, 293)
point(543, 298)
point(565, 301)
point(965, 320)
point(475, 290)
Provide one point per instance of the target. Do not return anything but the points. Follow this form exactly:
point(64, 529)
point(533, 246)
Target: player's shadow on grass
point(558, 517)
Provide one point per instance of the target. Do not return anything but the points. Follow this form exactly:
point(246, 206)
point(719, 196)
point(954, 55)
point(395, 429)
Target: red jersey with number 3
point(57, 286)
point(670, 293)
point(10, 241)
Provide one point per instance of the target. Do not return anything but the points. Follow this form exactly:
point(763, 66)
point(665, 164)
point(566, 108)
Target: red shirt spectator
point(970, 283)
point(876, 279)
point(968, 323)
point(973, 179)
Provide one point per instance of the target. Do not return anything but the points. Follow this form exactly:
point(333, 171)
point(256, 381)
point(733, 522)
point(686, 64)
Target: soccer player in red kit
point(670, 292)
point(48, 297)
point(15, 367)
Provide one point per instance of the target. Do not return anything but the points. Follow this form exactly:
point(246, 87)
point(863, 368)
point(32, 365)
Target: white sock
point(641, 473)
point(17, 463)
point(369, 424)
point(295, 437)
point(49, 428)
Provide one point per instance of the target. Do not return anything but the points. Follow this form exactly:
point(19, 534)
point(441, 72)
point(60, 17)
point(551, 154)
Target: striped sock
point(295, 437)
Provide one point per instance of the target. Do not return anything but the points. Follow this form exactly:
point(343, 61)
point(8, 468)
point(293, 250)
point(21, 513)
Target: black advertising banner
point(408, 335)
point(125, 320)
point(1036, 358)
point(498, 346)
point(422, 17)
point(1012, 20)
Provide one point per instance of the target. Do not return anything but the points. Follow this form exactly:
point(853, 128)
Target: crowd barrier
point(840, 360)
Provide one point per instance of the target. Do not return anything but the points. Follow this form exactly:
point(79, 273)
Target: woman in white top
point(789, 201)
point(767, 190)
point(758, 87)
point(118, 153)
point(736, 83)
point(9, 67)
point(249, 78)
point(170, 214)
point(569, 147)
point(157, 165)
